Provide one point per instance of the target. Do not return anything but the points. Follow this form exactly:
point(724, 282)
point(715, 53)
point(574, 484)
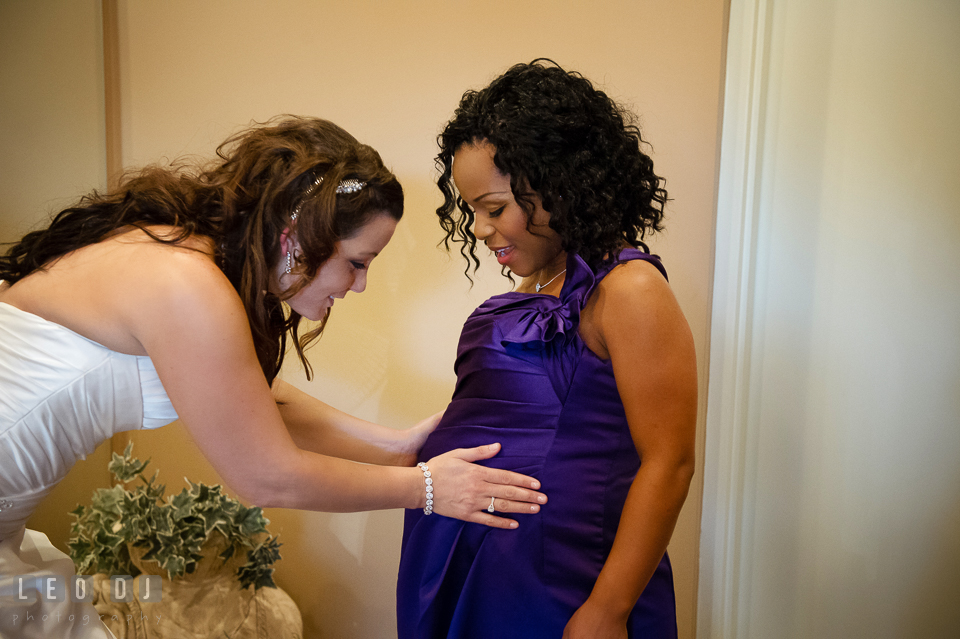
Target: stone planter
point(206, 603)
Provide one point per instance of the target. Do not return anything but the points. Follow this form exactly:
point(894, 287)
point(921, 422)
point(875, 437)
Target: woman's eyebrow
point(490, 193)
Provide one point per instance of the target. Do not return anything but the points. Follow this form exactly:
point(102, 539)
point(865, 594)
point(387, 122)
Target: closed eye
point(498, 211)
point(360, 266)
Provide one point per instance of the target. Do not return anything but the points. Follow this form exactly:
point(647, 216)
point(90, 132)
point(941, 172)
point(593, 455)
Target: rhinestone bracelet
point(428, 509)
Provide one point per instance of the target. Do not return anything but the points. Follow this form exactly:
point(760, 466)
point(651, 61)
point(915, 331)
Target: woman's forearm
point(310, 481)
point(321, 428)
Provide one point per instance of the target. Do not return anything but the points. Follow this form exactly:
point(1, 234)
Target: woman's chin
point(315, 315)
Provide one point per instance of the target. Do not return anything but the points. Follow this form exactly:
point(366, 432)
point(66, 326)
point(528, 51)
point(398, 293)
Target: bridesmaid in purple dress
point(585, 373)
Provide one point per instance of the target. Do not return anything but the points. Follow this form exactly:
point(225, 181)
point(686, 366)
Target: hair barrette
point(350, 185)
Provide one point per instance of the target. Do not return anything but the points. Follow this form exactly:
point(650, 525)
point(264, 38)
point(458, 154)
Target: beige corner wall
point(391, 73)
point(51, 109)
point(51, 150)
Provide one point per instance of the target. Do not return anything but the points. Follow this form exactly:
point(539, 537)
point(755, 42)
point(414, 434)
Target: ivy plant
point(172, 529)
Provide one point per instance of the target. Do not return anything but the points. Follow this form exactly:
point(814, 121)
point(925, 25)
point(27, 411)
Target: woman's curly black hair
point(558, 136)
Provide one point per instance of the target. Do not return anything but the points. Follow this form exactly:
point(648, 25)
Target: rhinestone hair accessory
point(350, 185)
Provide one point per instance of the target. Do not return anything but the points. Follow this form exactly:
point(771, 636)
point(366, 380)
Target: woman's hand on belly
point(415, 437)
point(463, 490)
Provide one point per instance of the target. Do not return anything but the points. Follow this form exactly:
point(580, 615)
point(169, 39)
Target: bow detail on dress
point(535, 320)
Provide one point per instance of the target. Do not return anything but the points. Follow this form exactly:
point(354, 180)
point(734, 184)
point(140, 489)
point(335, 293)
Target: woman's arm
point(320, 428)
point(635, 321)
point(189, 320)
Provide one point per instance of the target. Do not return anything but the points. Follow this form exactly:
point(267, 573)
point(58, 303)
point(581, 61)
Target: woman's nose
point(359, 282)
point(482, 229)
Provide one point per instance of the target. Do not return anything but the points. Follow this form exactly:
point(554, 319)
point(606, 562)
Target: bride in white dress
point(174, 296)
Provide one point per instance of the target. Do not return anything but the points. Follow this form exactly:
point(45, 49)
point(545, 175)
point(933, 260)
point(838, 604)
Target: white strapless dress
point(61, 395)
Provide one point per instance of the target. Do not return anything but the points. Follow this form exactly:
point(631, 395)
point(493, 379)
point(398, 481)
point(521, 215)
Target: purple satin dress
point(526, 379)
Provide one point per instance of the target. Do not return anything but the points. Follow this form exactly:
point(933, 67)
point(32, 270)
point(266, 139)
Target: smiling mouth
point(502, 254)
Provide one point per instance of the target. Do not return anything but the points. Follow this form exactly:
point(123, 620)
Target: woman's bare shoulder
point(632, 277)
point(629, 298)
point(179, 283)
point(112, 291)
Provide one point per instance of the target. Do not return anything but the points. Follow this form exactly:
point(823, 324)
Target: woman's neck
point(548, 280)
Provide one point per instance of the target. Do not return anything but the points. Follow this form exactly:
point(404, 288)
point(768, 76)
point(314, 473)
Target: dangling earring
point(289, 268)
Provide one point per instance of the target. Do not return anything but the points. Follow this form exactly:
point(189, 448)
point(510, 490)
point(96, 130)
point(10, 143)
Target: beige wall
point(51, 150)
point(832, 495)
point(391, 73)
point(51, 102)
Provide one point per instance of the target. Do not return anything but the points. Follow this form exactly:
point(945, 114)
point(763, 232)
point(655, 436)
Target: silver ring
point(490, 508)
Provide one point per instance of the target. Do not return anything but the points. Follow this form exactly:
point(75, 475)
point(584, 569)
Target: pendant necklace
point(543, 286)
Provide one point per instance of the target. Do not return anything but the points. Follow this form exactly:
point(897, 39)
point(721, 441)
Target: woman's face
point(499, 221)
point(346, 270)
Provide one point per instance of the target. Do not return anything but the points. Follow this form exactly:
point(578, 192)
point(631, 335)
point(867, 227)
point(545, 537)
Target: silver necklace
point(543, 286)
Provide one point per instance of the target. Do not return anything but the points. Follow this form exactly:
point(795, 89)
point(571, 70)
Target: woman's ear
point(287, 240)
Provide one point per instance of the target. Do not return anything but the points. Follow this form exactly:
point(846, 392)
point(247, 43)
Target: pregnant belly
point(524, 431)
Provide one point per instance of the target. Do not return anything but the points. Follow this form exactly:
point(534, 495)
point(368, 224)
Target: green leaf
point(227, 554)
point(79, 548)
point(175, 566)
point(182, 504)
point(109, 500)
point(212, 518)
point(265, 579)
point(126, 467)
point(251, 521)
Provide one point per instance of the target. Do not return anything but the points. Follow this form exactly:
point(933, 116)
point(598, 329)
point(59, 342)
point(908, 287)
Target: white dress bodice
point(61, 395)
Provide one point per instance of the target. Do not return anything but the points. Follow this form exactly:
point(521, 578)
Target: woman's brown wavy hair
point(243, 201)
